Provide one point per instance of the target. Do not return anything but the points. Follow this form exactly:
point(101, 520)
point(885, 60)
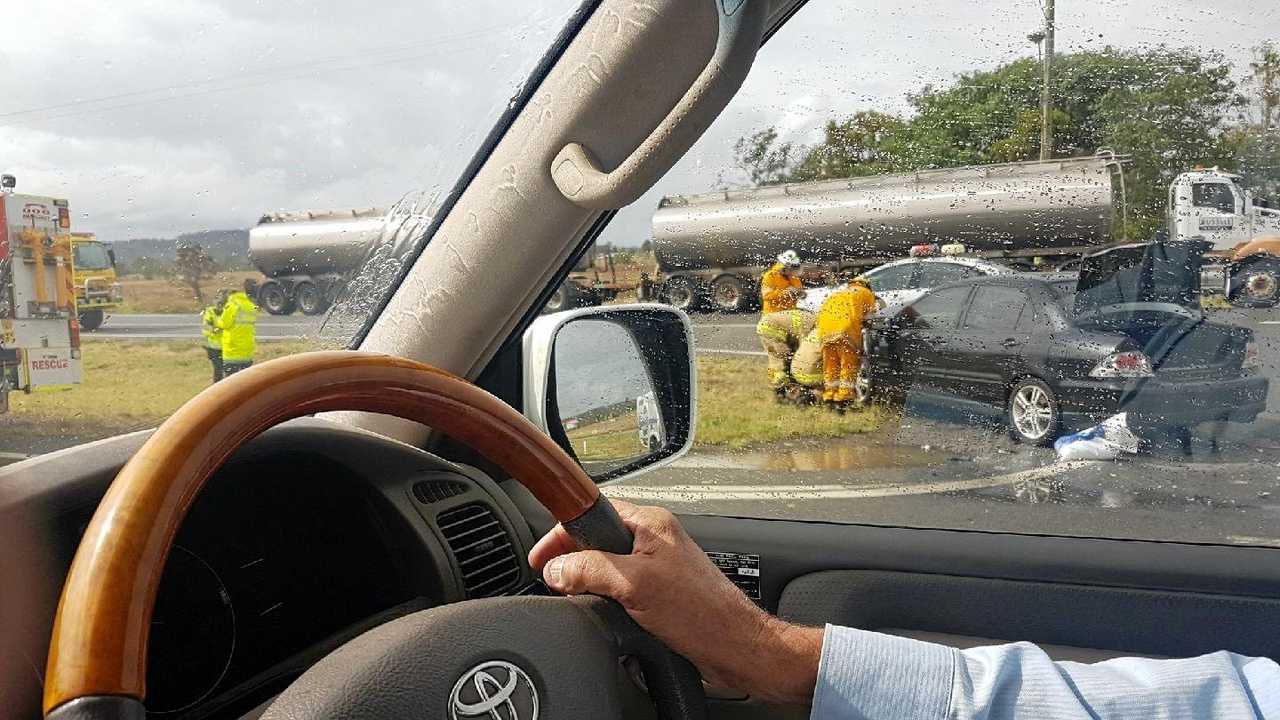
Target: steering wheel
point(513, 658)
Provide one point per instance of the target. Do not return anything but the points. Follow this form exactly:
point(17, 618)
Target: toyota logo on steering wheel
point(494, 690)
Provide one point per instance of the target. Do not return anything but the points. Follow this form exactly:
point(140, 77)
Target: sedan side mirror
point(613, 386)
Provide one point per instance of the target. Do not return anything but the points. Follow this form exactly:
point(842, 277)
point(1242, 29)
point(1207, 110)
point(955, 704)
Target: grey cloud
point(320, 103)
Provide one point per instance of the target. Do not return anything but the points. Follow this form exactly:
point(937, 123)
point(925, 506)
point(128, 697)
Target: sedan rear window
point(894, 278)
point(995, 308)
point(938, 310)
point(941, 273)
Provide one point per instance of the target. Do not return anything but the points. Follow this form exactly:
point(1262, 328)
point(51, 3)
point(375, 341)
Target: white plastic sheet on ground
point(1107, 440)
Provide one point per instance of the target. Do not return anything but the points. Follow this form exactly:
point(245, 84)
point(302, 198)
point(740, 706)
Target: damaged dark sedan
point(1053, 352)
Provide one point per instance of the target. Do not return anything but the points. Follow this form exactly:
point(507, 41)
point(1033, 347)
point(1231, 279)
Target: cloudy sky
point(160, 117)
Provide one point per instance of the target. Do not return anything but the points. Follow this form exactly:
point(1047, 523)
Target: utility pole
point(1046, 101)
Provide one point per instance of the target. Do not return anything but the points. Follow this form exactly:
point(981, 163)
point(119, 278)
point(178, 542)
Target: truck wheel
point(309, 298)
point(729, 294)
point(1256, 284)
point(273, 297)
point(564, 298)
point(682, 293)
point(91, 320)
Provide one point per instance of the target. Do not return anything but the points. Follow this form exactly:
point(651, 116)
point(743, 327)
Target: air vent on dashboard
point(429, 491)
point(482, 549)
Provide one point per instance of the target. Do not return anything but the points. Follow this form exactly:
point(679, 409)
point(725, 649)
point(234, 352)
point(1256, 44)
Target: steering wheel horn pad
point(410, 667)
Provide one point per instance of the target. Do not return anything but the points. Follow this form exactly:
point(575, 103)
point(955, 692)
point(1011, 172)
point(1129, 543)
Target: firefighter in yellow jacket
point(238, 325)
point(780, 287)
point(780, 333)
point(839, 328)
point(782, 324)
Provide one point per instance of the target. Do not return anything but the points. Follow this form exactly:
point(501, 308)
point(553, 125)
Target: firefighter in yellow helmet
point(839, 328)
point(780, 287)
point(212, 333)
point(782, 324)
point(238, 325)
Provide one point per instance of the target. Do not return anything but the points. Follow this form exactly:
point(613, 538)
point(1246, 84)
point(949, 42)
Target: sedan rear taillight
point(1128, 364)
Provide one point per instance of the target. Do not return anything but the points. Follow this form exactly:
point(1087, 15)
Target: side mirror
point(614, 386)
point(111, 255)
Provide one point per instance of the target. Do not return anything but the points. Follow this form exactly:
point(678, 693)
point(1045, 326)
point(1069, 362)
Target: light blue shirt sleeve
point(874, 676)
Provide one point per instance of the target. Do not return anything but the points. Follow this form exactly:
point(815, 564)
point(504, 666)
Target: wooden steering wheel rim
point(99, 643)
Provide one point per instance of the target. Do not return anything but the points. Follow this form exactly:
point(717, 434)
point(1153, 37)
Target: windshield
point(290, 155)
point(91, 256)
point(868, 133)
point(1216, 196)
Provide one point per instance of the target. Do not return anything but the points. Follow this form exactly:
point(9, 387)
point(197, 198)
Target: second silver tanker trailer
point(711, 248)
point(308, 256)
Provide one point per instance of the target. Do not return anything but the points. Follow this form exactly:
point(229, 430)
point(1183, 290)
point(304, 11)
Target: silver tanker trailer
point(712, 248)
point(307, 256)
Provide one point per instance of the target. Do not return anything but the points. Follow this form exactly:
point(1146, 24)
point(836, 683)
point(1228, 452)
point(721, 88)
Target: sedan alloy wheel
point(1033, 412)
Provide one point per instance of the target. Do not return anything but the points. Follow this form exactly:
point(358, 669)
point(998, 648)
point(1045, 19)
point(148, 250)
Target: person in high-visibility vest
point(237, 323)
point(839, 328)
point(780, 286)
point(213, 334)
point(780, 333)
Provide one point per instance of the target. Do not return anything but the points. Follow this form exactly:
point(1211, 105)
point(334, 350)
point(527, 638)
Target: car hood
point(1158, 276)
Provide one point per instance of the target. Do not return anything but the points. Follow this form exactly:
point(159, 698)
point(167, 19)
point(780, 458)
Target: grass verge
point(126, 386)
point(163, 296)
point(736, 409)
point(131, 385)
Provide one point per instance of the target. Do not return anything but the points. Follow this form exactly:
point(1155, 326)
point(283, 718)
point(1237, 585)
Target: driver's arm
point(672, 590)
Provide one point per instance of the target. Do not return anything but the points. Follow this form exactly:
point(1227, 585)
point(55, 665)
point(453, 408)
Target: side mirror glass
point(613, 386)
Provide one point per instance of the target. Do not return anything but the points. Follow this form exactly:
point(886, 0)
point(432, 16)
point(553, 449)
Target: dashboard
point(311, 535)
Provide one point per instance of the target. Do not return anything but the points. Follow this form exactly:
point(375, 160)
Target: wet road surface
point(179, 327)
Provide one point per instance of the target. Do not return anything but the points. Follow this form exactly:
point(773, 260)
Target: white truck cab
point(1244, 230)
point(1214, 205)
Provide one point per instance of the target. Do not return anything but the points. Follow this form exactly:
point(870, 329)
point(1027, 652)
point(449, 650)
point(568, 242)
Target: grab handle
point(576, 170)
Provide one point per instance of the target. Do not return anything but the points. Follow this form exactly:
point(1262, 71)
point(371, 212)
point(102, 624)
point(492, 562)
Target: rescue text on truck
point(39, 335)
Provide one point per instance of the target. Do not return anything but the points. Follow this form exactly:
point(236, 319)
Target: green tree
point(1265, 81)
point(763, 158)
point(192, 267)
point(1167, 109)
point(866, 143)
point(1168, 113)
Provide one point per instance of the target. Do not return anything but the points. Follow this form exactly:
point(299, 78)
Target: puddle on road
point(839, 455)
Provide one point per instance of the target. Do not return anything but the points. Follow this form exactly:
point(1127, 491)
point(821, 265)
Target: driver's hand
point(669, 586)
